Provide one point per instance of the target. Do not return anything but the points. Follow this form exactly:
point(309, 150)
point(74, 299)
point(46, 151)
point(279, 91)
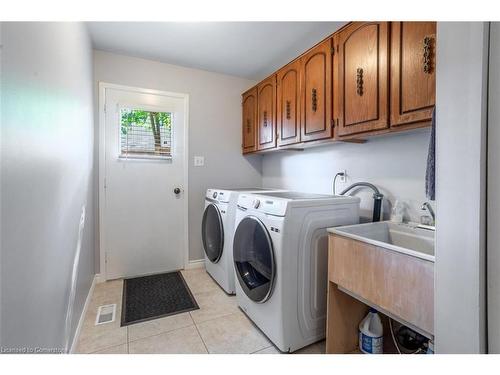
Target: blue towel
point(430, 174)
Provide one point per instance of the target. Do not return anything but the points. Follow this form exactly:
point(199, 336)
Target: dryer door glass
point(254, 259)
point(212, 233)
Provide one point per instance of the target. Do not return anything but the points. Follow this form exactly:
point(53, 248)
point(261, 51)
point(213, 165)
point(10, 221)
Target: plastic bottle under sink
point(371, 334)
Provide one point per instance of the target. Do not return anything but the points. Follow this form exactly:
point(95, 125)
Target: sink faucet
point(427, 206)
point(377, 197)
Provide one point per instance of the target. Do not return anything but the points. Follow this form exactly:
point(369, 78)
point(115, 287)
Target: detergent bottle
point(371, 334)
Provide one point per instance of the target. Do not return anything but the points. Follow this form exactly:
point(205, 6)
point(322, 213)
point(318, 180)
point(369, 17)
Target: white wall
point(46, 172)
point(460, 187)
point(395, 164)
point(493, 189)
point(214, 125)
point(1, 126)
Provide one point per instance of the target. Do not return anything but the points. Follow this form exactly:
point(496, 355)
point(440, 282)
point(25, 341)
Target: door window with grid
point(145, 134)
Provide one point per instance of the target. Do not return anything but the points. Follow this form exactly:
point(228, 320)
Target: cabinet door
point(266, 99)
point(288, 98)
point(413, 73)
point(363, 78)
point(316, 100)
point(249, 103)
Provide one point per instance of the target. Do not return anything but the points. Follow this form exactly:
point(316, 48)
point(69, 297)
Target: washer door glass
point(212, 233)
point(254, 259)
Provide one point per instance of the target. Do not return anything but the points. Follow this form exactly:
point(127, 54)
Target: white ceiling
point(251, 50)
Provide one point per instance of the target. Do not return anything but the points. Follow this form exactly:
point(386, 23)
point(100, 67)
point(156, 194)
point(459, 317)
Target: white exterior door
point(143, 213)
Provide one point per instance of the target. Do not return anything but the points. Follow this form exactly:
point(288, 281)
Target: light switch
point(199, 161)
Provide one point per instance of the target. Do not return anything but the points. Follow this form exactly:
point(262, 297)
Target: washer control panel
point(218, 195)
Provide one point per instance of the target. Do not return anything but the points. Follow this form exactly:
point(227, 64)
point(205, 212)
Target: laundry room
point(207, 184)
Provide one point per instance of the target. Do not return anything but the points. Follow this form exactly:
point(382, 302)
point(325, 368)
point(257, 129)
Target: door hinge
point(105, 186)
point(332, 51)
point(332, 123)
point(104, 108)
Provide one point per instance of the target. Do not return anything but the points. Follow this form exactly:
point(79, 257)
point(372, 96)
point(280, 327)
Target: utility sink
point(403, 238)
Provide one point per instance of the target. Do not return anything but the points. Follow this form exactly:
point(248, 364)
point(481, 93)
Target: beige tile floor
point(218, 326)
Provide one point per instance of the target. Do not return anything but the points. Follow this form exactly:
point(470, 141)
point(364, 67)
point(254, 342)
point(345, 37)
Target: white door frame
point(102, 165)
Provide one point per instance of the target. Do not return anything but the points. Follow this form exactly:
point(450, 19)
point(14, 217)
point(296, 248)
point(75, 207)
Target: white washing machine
point(217, 233)
point(280, 251)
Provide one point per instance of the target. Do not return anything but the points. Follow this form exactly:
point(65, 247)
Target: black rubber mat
point(155, 296)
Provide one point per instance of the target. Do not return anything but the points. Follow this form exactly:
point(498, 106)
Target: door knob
point(177, 190)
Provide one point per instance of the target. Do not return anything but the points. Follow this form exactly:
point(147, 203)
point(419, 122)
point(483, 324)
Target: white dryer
point(280, 251)
point(217, 233)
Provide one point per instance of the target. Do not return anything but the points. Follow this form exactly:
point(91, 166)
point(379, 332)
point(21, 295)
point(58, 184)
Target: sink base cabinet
point(344, 315)
point(362, 275)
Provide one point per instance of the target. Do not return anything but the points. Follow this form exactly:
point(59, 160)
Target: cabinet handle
point(427, 54)
point(265, 119)
point(248, 125)
point(314, 100)
point(288, 110)
point(359, 81)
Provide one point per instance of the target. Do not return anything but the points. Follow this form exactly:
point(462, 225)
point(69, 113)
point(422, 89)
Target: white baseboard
point(96, 280)
point(99, 278)
point(199, 263)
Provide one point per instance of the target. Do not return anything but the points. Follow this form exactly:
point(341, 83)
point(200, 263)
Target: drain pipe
point(377, 197)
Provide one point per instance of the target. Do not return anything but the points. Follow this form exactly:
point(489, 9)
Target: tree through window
point(145, 133)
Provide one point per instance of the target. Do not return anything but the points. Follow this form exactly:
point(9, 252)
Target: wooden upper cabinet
point(316, 87)
point(367, 78)
point(288, 104)
point(266, 126)
point(413, 73)
point(362, 83)
point(249, 110)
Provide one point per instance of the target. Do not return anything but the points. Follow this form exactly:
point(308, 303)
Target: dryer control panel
point(260, 203)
